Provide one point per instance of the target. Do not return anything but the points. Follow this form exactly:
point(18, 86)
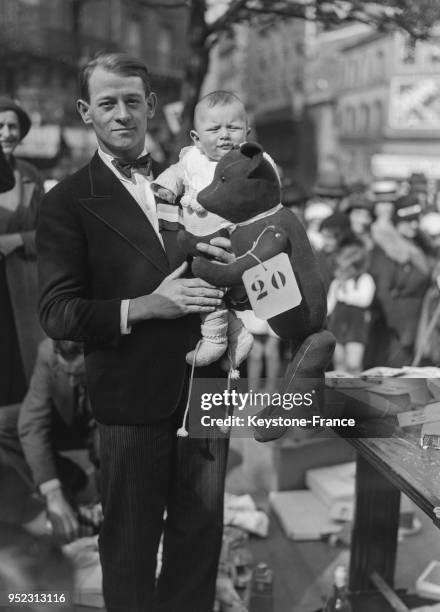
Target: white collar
point(260, 216)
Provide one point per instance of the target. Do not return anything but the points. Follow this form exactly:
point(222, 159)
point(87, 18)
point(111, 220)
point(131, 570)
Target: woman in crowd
point(401, 271)
point(20, 332)
point(335, 233)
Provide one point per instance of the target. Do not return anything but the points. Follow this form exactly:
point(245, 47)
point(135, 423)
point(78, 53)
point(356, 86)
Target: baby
point(220, 123)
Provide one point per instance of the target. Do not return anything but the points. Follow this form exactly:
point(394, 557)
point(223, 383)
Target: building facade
point(388, 107)
point(44, 42)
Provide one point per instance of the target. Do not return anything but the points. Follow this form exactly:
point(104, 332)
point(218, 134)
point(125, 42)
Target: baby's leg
point(214, 340)
point(240, 340)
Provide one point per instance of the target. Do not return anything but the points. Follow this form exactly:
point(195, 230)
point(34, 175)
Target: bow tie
point(142, 163)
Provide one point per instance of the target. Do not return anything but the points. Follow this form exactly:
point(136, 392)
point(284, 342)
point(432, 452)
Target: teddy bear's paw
point(207, 352)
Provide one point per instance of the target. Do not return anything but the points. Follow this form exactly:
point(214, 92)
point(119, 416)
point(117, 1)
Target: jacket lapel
point(115, 207)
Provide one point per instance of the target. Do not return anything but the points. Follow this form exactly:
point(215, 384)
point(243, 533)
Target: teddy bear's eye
point(223, 178)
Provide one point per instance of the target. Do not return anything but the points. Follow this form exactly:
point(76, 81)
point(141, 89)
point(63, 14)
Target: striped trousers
point(146, 470)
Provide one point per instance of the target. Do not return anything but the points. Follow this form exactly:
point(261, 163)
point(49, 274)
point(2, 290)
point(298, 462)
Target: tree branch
point(228, 17)
point(161, 5)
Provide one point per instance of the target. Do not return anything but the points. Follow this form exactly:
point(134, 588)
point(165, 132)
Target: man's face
point(118, 111)
point(408, 229)
point(384, 210)
point(70, 357)
point(9, 131)
point(329, 241)
point(219, 128)
point(360, 220)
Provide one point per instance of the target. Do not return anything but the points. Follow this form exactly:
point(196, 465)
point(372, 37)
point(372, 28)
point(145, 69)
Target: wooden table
point(386, 466)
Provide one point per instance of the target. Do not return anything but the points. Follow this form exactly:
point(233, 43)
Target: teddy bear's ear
point(250, 149)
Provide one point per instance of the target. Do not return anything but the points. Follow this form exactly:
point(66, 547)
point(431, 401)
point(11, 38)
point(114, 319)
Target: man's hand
point(175, 297)
point(61, 515)
point(219, 248)
point(10, 243)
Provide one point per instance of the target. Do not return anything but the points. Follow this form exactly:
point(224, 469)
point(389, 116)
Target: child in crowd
point(349, 298)
point(220, 123)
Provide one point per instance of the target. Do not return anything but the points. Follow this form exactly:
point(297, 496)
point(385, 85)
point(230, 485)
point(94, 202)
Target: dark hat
point(408, 208)
point(8, 104)
point(418, 182)
point(293, 193)
point(356, 187)
point(338, 222)
point(359, 200)
point(330, 185)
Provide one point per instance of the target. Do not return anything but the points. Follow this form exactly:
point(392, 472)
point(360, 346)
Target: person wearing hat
point(314, 214)
point(401, 271)
point(384, 194)
point(20, 331)
point(335, 233)
point(360, 212)
point(330, 188)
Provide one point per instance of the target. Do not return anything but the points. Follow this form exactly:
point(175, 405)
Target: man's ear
point(151, 104)
point(83, 108)
point(248, 131)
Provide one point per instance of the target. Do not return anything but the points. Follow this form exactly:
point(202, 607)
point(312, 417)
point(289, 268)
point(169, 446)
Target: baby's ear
point(194, 137)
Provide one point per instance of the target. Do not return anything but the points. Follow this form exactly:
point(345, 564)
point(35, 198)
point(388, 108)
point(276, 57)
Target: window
point(435, 54)
point(409, 50)
point(364, 119)
point(377, 118)
point(133, 35)
point(380, 64)
point(164, 47)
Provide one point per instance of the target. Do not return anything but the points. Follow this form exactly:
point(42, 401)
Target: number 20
point(278, 280)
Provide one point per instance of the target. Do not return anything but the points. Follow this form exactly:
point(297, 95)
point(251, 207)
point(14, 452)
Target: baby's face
point(219, 128)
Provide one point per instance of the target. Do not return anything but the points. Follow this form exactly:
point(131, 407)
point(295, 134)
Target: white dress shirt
point(139, 187)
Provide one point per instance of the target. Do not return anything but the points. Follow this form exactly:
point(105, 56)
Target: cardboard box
point(292, 458)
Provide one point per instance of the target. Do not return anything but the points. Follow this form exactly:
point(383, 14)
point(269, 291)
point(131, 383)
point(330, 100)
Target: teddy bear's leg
point(240, 340)
point(304, 375)
point(214, 340)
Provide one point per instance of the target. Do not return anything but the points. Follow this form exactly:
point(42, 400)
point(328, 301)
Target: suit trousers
point(147, 469)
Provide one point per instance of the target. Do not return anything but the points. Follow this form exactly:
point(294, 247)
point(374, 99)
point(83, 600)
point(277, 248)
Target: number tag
point(271, 287)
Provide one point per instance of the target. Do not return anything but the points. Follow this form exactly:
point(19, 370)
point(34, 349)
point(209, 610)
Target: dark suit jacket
point(50, 419)
point(96, 247)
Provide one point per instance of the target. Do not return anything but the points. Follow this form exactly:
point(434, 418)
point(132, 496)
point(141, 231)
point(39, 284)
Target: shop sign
point(402, 166)
point(415, 103)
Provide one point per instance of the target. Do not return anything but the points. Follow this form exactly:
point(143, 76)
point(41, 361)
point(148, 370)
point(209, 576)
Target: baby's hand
point(164, 194)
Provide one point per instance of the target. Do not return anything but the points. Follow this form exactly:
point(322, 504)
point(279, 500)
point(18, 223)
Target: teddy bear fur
point(246, 191)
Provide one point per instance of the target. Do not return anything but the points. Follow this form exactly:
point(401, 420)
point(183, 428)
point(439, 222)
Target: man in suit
point(55, 417)
point(111, 280)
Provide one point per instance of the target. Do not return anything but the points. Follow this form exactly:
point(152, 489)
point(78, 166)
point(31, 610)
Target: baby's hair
point(219, 97)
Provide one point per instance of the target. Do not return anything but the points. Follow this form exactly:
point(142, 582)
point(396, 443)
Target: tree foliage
point(416, 17)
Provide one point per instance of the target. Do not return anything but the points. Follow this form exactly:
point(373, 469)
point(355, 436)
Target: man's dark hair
point(119, 63)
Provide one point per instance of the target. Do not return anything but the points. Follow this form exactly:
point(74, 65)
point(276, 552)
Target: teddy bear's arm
point(272, 242)
point(187, 241)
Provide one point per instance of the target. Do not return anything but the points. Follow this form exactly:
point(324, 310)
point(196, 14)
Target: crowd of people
point(378, 247)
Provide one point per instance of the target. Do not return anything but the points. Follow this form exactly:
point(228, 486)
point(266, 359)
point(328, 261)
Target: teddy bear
point(246, 191)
